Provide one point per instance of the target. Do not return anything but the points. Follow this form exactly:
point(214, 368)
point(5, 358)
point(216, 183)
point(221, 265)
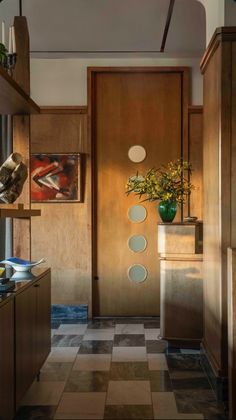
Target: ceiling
point(81, 27)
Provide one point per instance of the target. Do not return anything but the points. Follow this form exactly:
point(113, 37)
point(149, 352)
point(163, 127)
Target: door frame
point(92, 72)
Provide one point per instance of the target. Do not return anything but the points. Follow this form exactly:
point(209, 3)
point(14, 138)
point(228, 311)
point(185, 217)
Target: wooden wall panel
point(196, 158)
point(62, 233)
point(232, 330)
point(219, 189)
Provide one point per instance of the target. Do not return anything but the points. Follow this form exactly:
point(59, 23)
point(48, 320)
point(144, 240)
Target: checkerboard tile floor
point(118, 369)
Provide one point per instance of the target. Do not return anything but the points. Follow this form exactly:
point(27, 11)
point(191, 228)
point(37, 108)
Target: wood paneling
point(127, 108)
point(22, 227)
point(232, 330)
point(7, 361)
point(43, 320)
point(21, 72)
point(63, 232)
point(219, 189)
point(196, 158)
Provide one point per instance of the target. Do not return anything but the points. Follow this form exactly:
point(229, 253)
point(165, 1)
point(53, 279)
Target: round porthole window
point(137, 243)
point(137, 273)
point(137, 213)
point(137, 154)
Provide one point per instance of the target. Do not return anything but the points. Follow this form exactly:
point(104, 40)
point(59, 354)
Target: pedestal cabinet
point(6, 360)
point(179, 246)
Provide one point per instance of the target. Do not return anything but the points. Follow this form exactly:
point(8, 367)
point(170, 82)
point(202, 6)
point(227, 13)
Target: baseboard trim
point(218, 383)
point(69, 312)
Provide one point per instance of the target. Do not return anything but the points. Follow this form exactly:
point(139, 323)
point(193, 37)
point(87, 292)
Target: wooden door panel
point(130, 108)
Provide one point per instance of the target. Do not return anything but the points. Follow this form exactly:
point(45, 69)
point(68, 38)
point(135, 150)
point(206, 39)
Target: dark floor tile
point(66, 340)
point(199, 401)
point(156, 346)
point(129, 371)
point(155, 323)
point(129, 340)
point(191, 383)
point(95, 324)
point(96, 347)
point(35, 413)
point(183, 362)
point(87, 381)
point(55, 324)
point(135, 320)
point(55, 371)
point(128, 412)
point(187, 374)
point(160, 381)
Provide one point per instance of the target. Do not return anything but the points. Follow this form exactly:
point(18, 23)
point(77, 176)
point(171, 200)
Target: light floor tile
point(164, 407)
point(157, 361)
point(81, 405)
point(128, 393)
point(52, 332)
point(63, 354)
point(152, 333)
point(129, 354)
point(44, 393)
point(71, 329)
point(129, 329)
point(92, 362)
point(99, 334)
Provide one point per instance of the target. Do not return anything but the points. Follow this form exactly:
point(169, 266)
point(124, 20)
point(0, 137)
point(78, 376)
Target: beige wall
point(64, 81)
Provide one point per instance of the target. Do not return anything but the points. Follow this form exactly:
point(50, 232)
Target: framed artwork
point(55, 177)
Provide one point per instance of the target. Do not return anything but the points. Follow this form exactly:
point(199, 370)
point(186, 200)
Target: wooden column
point(21, 138)
point(219, 138)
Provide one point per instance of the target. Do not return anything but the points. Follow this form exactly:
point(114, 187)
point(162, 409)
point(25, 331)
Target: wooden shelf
point(18, 212)
point(13, 99)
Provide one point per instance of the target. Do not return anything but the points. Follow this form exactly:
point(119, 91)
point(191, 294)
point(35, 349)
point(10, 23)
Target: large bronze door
point(133, 107)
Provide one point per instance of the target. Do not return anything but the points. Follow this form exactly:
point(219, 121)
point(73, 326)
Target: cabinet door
point(43, 319)
point(7, 361)
point(25, 341)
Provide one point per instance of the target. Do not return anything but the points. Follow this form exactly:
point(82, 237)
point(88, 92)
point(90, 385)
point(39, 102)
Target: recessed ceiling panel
point(187, 32)
point(95, 25)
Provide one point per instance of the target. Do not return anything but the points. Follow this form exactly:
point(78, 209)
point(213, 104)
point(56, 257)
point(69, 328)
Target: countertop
point(23, 280)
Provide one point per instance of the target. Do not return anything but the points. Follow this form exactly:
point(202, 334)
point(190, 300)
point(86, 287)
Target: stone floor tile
point(152, 333)
point(157, 361)
point(129, 329)
point(129, 354)
point(71, 329)
point(36, 412)
point(99, 334)
point(54, 371)
point(92, 362)
point(128, 412)
point(129, 340)
point(87, 381)
point(129, 393)
point(156, 346)
point(96, 347)
point(66, 340)
point(81, 406)
point(44, 393)
point(63, 354)
point(129, 371)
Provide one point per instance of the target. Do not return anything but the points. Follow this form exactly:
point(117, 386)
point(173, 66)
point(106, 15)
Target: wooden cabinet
point(32, 333)
point(7, 360)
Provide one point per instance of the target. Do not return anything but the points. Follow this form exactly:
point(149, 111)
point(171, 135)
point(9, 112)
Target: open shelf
point(18, 211)
point(13, 99)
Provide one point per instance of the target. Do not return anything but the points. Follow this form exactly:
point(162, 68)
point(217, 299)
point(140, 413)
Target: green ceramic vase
point(167, 210)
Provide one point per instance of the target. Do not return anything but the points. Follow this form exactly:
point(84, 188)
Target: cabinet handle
point(36, 285)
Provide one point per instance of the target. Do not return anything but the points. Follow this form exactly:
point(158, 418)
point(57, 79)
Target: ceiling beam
point(167, 25)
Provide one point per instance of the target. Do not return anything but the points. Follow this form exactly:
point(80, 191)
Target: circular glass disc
point(137, 213)
point(137, 243)
point(137, 273)
point(137, 154)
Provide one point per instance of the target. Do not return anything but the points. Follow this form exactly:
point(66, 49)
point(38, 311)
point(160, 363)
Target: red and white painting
point(55, 177)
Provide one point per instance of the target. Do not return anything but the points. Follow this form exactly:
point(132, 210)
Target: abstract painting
point(55, 177)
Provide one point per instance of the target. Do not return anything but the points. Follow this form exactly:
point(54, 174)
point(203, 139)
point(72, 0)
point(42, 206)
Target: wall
point(62, 233)
point(64, 81)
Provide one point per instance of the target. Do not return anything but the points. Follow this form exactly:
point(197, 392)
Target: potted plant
point(170, 185)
